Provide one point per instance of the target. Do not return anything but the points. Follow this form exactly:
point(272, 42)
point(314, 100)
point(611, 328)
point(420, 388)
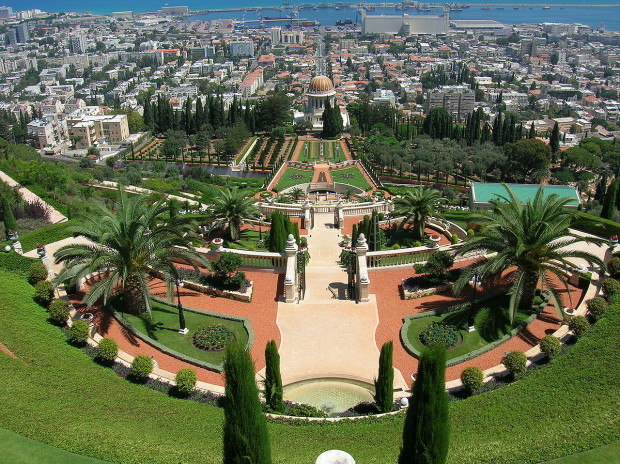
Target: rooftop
point(484, 193)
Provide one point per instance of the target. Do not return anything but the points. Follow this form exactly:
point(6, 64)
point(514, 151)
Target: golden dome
point(320, 84)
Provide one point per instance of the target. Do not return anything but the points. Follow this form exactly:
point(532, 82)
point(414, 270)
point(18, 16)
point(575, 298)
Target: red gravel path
point(393, 309)
point(261, 312)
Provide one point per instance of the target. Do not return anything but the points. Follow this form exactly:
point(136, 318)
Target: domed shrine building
point(320, 91)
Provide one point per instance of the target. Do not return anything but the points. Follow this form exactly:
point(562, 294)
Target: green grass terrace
point(294, 176)
point(351, 176)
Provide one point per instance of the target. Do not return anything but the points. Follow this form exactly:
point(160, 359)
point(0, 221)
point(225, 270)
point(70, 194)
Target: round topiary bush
point(141, 367)
point(78, 333)
point(470, 232)
point(58, 311)
point(43, 293)
point(551, 346)
point(609, 287)
point(439, 332)
point(579, 325)
point(106, 351)
point(472, 379)
point(36, 272)
point(613, 267)
point(515, 362)
point(213, 337)
point(597, 307)
point(454, 239)
point(186, 381)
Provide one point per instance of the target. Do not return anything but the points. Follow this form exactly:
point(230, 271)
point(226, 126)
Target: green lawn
point(350, 176)
point(604, 455)
point(294, 176)
point(249, 240)
point(21, 450)
point(164, 325)
point(57, 395)
point(491, 324)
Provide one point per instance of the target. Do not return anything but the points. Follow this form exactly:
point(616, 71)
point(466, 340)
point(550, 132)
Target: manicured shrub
point(273, 379)
point(107, 350)
point(141, 367)
point(43, 293)
point(472, 379)
point(426, 433)
point(613, 267)
point(384, 383)
point(78, 333)
point(551, 346)
point(470, 232)
point(37, 272)
point(454, 239)
point(515, 362)
point(610, 287)
point(579, 325)
point(597, 307)
point(58, 311)
point(186, 381)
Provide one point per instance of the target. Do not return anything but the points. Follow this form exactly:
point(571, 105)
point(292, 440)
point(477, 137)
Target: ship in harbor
point(344, 22)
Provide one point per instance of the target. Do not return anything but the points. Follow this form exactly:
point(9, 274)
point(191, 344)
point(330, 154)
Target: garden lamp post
point(260, 228)
point(182, 328)
point(475, 280)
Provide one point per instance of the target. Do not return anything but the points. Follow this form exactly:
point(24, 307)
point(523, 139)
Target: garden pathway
point(55, 215)
point(324, 336)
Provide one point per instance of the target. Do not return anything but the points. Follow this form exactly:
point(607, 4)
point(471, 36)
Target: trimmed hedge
point(36, 272)
point(46, 235)
point(107, 350)
point(551, 346)
point(515, 362)
point(141, 367)
point(472, 379)
point(186, 381)
point(44, 293)
point(15, 263)
point(595, 225)
point(78, 333)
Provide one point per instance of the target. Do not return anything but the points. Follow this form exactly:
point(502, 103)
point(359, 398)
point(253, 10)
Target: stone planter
point(243, 294)
point(422, 292)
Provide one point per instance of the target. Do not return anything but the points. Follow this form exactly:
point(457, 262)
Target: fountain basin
point(330, 395)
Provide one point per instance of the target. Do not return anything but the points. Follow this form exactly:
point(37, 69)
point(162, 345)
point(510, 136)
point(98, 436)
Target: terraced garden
point(311, 151)
point(54, 393)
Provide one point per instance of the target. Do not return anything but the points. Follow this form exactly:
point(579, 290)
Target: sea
point(597, 13)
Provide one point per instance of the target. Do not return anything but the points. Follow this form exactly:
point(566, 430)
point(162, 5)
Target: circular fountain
point(331, 396)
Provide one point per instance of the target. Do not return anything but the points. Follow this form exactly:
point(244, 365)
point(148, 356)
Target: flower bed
point(213, 337)
point(440, 332)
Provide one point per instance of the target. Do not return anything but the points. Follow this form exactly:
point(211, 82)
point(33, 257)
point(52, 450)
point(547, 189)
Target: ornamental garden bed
point(160, 329)
point(424, 285)
point(491, 322)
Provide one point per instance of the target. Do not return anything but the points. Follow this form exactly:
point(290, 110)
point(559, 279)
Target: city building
point(6, 12)
point(458, 100)
point(46, 132)
point(274, 34)
point(19, 34)
point(405, 24)
point(87, 129)
point(243, 48)
point(252, 82)
point(77, 43)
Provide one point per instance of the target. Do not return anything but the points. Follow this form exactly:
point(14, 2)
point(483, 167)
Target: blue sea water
point(569, 12)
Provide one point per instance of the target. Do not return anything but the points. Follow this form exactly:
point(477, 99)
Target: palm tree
point(297, 193)
point(417, 205)
point(232, 207)
point(534, 238)
point(126, 242)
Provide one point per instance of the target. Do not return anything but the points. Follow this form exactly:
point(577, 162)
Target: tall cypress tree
point(426, 432)
point(246, 438)
point(7, 214)
point(609, 202)
point(384, 383)
point(273, 379)
point(554, 141)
